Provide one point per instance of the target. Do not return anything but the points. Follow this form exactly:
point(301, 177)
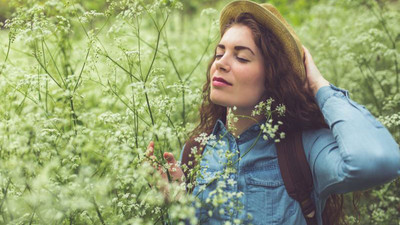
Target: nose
point(222, 64)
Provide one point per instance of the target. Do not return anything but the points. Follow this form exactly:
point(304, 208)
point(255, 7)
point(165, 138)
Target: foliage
point(84, 92)
point(86, 86)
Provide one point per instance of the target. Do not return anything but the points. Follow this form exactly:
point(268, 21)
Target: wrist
point(319, 85)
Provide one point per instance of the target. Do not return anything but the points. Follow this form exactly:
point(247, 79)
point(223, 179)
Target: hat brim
point(291, 44)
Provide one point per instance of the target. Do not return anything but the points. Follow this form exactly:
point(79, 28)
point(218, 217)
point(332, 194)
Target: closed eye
point(242, 59)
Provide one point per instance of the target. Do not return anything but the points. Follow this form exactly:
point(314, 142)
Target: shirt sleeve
point(356, 153)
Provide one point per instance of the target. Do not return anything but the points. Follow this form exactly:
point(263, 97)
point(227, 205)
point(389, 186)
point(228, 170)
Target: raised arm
point(357, 152)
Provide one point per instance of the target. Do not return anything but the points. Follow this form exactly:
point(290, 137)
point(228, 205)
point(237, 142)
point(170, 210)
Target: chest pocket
point(267, 200)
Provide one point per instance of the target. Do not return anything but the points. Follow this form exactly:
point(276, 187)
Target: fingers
point(153, 158)
point(150, 155)
point(305, 49)
point(307, 57)
point(150, 149)
point(169, 157)
point(174, 169)
point(172, 165)
point(314, 77)
point(307, 54)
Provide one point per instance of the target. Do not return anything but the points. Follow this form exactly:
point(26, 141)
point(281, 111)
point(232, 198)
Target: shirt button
point(232, 176)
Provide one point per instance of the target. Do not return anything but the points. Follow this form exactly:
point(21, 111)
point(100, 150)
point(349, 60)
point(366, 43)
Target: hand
point(315, 80)
point(174, 170)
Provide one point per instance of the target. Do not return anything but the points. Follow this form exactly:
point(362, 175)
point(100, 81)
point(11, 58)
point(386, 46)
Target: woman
point(260, 57)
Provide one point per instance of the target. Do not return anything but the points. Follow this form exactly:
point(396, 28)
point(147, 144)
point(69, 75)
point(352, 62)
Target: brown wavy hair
point(281, 84)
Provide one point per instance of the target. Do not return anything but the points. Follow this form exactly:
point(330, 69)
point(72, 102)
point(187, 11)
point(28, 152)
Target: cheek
point(259, 76)
point(253, 82)
point(212, 69)
point(252, 77)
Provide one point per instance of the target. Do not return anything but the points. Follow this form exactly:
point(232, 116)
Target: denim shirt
point(356, 153)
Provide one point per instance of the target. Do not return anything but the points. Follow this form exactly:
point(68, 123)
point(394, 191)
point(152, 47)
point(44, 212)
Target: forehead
point(238, 35)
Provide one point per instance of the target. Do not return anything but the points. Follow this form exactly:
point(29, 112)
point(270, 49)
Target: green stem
point(116, 63)
point(126, 104)
point(156, 49)
point(98, 212)
point(46, 96)
point(45, 69)
point(54, 62)
point(148, 105)
point(31, 219)
point(183, 106)
point(8, 52)
point(139, 48)
point(176, 131)
point(80, 74)
point(148, 44)
point(170, 57)
point(136, 114)
point(5, 191)
point(73, 114)
point(19, 107)
point(248, 150)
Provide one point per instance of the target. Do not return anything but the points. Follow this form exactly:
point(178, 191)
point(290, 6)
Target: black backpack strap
point(296, 173)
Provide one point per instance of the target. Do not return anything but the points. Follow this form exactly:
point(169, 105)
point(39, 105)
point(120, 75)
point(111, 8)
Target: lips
point(219, 79)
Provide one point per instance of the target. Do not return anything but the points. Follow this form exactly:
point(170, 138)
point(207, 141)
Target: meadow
point(86, 85)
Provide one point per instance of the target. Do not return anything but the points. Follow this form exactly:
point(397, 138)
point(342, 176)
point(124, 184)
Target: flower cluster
point(270, 128)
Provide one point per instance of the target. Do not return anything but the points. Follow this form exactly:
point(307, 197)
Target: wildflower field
point(86, 85)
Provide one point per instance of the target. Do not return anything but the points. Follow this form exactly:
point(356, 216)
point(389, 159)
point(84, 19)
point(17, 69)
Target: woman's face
point(240, 63)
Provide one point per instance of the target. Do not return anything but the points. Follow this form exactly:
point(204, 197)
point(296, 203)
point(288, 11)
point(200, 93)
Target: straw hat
point(267, 15)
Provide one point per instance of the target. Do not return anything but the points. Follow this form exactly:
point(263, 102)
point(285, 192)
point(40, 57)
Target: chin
point(227, 103)
point(219, 101)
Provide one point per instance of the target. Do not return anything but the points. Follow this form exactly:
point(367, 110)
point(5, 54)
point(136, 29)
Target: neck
point(243, 122)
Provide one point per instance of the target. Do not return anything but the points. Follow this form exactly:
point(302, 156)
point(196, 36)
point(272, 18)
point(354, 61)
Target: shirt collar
point(248, 134)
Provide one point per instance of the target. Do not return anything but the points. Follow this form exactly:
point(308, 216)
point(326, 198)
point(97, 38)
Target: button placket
point(233, 148)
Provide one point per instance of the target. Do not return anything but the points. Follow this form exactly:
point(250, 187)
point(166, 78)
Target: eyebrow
point(237, 48)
